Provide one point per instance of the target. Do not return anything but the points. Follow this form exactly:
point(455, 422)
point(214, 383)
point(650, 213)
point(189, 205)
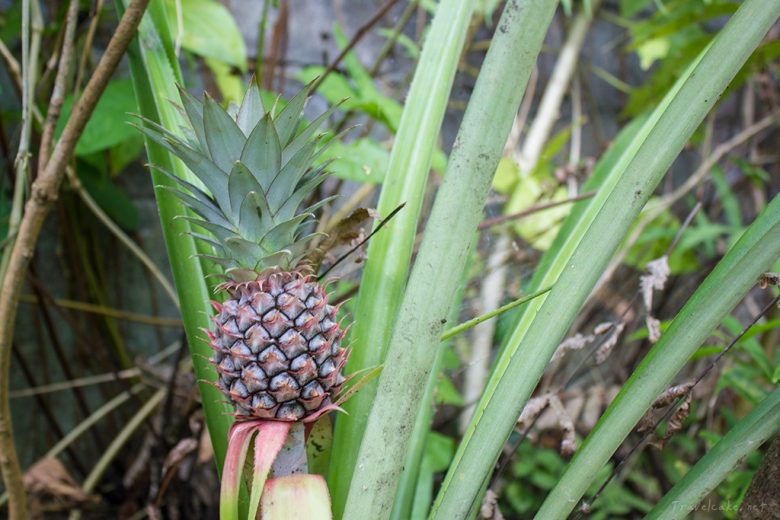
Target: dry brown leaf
point(675, 423)
point(340, 240)
point(678, 417)
point(177, 454)
point(568, 440)
point(576, 342)
point(767, 279)
point(205, 449)
point(49, 477)
point(531, 410)
point(658, 274)
point(606, 348)
point(489, 509)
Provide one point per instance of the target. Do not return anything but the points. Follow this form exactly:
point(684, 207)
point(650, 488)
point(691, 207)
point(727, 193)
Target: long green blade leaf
point(455, 215)
point(154, 77)
point(390, 251)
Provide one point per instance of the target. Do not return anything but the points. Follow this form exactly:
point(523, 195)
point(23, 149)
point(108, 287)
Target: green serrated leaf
point(251, 109)
point(225, 140)
point(286, 121)
point(262, 152)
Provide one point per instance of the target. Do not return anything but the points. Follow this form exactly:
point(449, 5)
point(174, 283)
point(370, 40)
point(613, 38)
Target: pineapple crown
point(256, 166)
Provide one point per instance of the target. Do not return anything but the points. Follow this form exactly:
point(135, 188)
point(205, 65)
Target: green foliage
point(384, 278)
point(526, 189)
point(207, 29)
point(674, 36)
point(671, 35)
point(362, 160)
point(536, 470)
point(109, 125)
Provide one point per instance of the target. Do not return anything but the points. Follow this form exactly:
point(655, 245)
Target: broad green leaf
point(439, 449)
point(507, 175)
point(447, 394)
point(207, 29)
point(229, 81)
point(362, 160)
point(108, 125)
point(124, 153)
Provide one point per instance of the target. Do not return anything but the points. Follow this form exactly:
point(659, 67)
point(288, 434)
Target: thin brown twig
point(107, 311)
point(104, 219)
point(87, 47)
point(44, 193)
point(15, 71)
point(276, 44)
point(391, 41)
point(494, 221)
point(362, 31)
point(60, 85)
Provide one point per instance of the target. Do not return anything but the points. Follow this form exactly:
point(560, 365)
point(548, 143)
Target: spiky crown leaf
point(257, 170)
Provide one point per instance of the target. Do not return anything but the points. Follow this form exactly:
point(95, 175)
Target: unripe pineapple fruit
point(277, 344)
point(278, 347)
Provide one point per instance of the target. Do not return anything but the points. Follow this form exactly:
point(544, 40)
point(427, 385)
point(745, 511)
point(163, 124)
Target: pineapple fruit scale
point(277, 344)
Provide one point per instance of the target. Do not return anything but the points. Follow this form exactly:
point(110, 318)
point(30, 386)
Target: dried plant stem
point(502, 219)
point(538, 134)
point(13, 66)
point(93, 479)
point(490, 295)
point(92, 308)
point(87, 47)
point(557, 86)
point(391, 41)
point(60, 85)
point(32, 27)
point(44, 193)
point(652, 429)
point(64, 443)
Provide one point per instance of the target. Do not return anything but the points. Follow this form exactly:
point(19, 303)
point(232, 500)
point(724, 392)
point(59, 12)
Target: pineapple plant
point(277, 345)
